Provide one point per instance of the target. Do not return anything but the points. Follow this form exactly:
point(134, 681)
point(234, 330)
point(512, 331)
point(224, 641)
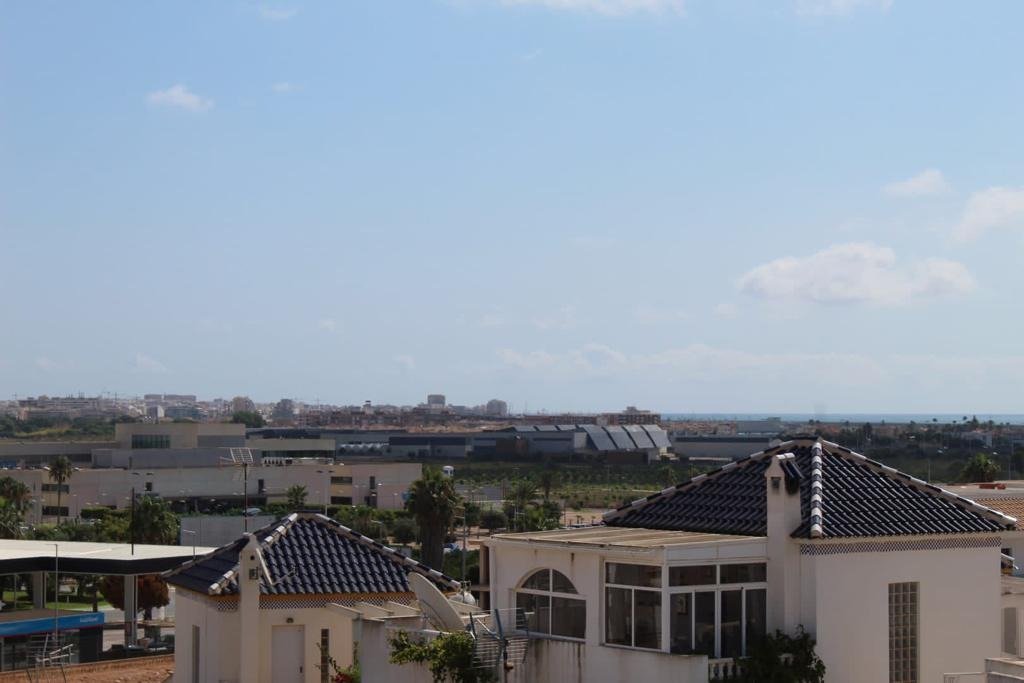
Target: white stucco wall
point(959, 598)
point(221, 648)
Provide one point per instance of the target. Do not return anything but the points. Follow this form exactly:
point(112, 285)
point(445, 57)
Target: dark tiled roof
point(308, 554)
point(857, 497)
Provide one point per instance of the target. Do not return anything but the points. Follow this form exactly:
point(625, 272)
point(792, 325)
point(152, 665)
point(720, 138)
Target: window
point(716, 610)
point(325, 655)
point(632, 615)
point(54, 511)
point(53, 488)
point(196, 677)
point(903, 643)
point(151, 441)
point(341, 480)
point(341, 500)
point(552, 604)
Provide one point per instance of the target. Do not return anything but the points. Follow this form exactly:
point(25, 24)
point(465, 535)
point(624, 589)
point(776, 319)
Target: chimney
point(250, 566)
point(782, 483)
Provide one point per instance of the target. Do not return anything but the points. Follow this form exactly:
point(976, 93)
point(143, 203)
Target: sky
point(684, 205)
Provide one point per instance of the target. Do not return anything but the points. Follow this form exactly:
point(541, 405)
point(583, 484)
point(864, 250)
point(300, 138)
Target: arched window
point(552, 604)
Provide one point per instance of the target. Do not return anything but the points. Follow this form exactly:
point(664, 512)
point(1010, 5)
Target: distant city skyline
point(788, 206)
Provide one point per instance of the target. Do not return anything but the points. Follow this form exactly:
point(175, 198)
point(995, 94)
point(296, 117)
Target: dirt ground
point(141, 670)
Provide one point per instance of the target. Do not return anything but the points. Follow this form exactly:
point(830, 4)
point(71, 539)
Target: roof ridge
point(696, 481)
point(817, 490)
point(921, 485)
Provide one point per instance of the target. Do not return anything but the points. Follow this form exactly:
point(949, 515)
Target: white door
point(287, 649)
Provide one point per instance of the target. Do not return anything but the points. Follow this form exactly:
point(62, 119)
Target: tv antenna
point(242, 457)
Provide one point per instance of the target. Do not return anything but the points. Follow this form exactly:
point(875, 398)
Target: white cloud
point(839, 7)
point(653, 315)
point(701, 362)
point(148, 364)
point(563, 319)
point(406, 361)
point(491, 320)
point(181, 97)
point(856, 273)
point(927, 182)
point(284, 87)
point(327, 324)
point(726, 310)
point(47, 364)
point(277, 13)
point(608, 7)
point(991, 209)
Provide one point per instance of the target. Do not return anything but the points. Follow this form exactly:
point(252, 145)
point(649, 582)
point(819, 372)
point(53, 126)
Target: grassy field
point(66, 602)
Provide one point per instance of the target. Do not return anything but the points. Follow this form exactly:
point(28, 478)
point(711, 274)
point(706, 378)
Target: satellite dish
point(435, 605)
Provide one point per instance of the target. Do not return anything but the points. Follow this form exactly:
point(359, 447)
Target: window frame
point(633, 588)
point(551, 595)
point(717, 588)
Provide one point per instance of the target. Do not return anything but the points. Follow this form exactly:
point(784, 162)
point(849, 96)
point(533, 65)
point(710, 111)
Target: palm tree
point(153, 522)
point(432, 500)
point(520, 496)
point(296, 496)
point(60, 472)
point(548, 479)
point(15, 492)
point(10, 519)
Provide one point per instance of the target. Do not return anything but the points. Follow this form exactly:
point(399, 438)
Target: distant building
point(496, 408)
point(436, 400)
point(630, 416)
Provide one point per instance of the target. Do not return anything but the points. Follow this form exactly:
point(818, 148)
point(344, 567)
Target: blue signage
point(64, 623)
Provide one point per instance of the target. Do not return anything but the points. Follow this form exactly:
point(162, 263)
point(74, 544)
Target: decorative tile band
point(895, 545)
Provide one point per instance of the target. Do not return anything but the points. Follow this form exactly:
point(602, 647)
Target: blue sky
point(697, 205)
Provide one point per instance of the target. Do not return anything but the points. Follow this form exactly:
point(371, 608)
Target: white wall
point(219, 651)
point(959, 610)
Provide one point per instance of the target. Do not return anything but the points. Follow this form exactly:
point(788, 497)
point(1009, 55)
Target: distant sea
point(856, 418)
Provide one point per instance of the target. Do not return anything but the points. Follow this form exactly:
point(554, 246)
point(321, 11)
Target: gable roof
point(842, 495)
point(306, 554)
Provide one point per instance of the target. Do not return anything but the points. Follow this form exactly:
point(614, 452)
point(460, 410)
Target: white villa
point(270, 607)
point(896, 579)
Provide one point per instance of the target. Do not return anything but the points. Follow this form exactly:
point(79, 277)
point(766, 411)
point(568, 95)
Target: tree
point(404, 531)
point(154, 522)
point(493, 519)
point(10, 519)
point(60, 472)
point(15, 492)
point(296, 496)
point(519, 498)
point(547, 480)
point(250, 418)
point(432, 500)
point(152, 592)
point(979, 468)
point(764, 662)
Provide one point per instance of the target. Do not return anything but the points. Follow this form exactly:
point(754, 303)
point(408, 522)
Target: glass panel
point(648, 619)
point(704, 623)
point(681, 623)
point(540, 607)
point(633, 574)
point(732, 614)
point(757, 602)
point(692, 576)
point(568, 617)
point(744, 573)
point(618, 613)
point(560, 583)
point(540, 581)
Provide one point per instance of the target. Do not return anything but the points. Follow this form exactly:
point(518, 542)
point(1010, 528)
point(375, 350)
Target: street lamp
point(194, 534)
